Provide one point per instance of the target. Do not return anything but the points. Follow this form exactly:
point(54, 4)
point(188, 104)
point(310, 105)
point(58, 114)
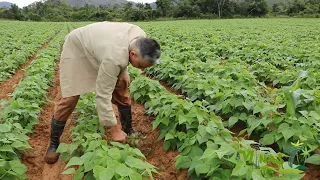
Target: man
point(95, 58)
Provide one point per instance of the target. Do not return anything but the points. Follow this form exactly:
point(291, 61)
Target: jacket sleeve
point(105, 84)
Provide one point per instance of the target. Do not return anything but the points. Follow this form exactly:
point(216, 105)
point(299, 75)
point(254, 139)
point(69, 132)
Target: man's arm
point(105, 84)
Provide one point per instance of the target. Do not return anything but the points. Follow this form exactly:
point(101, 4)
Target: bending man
point(95, 58)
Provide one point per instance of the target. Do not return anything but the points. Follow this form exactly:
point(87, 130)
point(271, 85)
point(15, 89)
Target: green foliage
point(20, 113)
point(59, 11)
point(94, 157)
point(207, 149)
point(225, 70)
point(19, 44)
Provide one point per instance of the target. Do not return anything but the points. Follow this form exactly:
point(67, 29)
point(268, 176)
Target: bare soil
point(8, 86)
point(38, 169)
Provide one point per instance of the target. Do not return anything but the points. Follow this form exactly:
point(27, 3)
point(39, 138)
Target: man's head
point(144, 53)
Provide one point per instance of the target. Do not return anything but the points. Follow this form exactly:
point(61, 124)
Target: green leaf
point(75, 161)
point(123, 170)
point(63, 147)
point(203, 168)
point(93, 145)
point(137, 152)
point(89, 176)
point(314, 159)
point(268, 139)
point(303, 74)
point(248, 105)
point(169, 136)
point(239, 170)
point(232, 120)
point(78, 176)
point(97, 170)
point(5, 128)
point(182, 118)
point(106, 174)
point(18, 167)
point(135, 176)
point(288, 133)
point(114, 153)
point(182, 162)
point(137, 163)
point(304, 113)
point(117, 144)
point(314, 115)
point(72, 148)
point(69, 171)
point(65, 157)
point(290, 171)
point(136, 96)
point(166, 145)
point(256, 175)
point(88, 165)
point(18, 145)
point(6, 148)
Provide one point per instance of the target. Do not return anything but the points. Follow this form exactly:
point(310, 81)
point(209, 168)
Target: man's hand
point(118, 135)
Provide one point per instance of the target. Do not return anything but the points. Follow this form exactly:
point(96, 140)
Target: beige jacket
point(92, 59)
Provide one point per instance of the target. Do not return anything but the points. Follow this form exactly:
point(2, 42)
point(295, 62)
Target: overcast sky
point(22, 3)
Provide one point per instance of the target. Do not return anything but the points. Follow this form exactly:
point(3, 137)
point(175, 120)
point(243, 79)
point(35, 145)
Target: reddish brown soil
point(313, 173)
point(151, 148)
point(39, 140)
point(8, 86)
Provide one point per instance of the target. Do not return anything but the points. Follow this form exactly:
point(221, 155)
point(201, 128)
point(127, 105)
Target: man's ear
point(132, 53)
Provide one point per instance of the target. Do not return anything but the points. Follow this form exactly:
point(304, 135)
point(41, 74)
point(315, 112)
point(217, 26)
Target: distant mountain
point(4, 4)
point(80, 3)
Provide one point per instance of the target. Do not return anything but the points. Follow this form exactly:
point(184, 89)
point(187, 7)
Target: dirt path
point(38, 169)
point(8, 86)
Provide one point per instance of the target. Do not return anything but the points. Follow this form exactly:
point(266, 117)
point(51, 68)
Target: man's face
point(137, 62)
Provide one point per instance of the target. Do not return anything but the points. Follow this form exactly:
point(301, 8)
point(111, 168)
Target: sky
point(22, 3)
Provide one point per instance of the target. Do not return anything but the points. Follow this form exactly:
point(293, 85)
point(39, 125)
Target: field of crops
point(232, 99)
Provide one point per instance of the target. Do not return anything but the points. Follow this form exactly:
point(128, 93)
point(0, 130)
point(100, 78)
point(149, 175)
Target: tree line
point(56, 10)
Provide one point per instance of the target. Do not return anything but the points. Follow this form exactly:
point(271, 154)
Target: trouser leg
point(121, 97)
point(65, 108)
point(63, 111)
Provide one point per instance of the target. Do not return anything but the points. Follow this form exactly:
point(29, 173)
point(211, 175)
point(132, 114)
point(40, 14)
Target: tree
point(185, 9)
point(220, 4)
point(14, 13)
point(164, 7)
point(257, 7)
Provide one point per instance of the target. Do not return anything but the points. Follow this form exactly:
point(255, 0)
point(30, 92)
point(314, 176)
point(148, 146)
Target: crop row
point(238, 97)
point(250, 41)
point(233, 82)
point(207, 149)
point(20, 114)
point(94, 157)
point(21, 42)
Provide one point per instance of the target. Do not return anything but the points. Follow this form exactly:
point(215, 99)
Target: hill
point(95, 2)
point(4, 4)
